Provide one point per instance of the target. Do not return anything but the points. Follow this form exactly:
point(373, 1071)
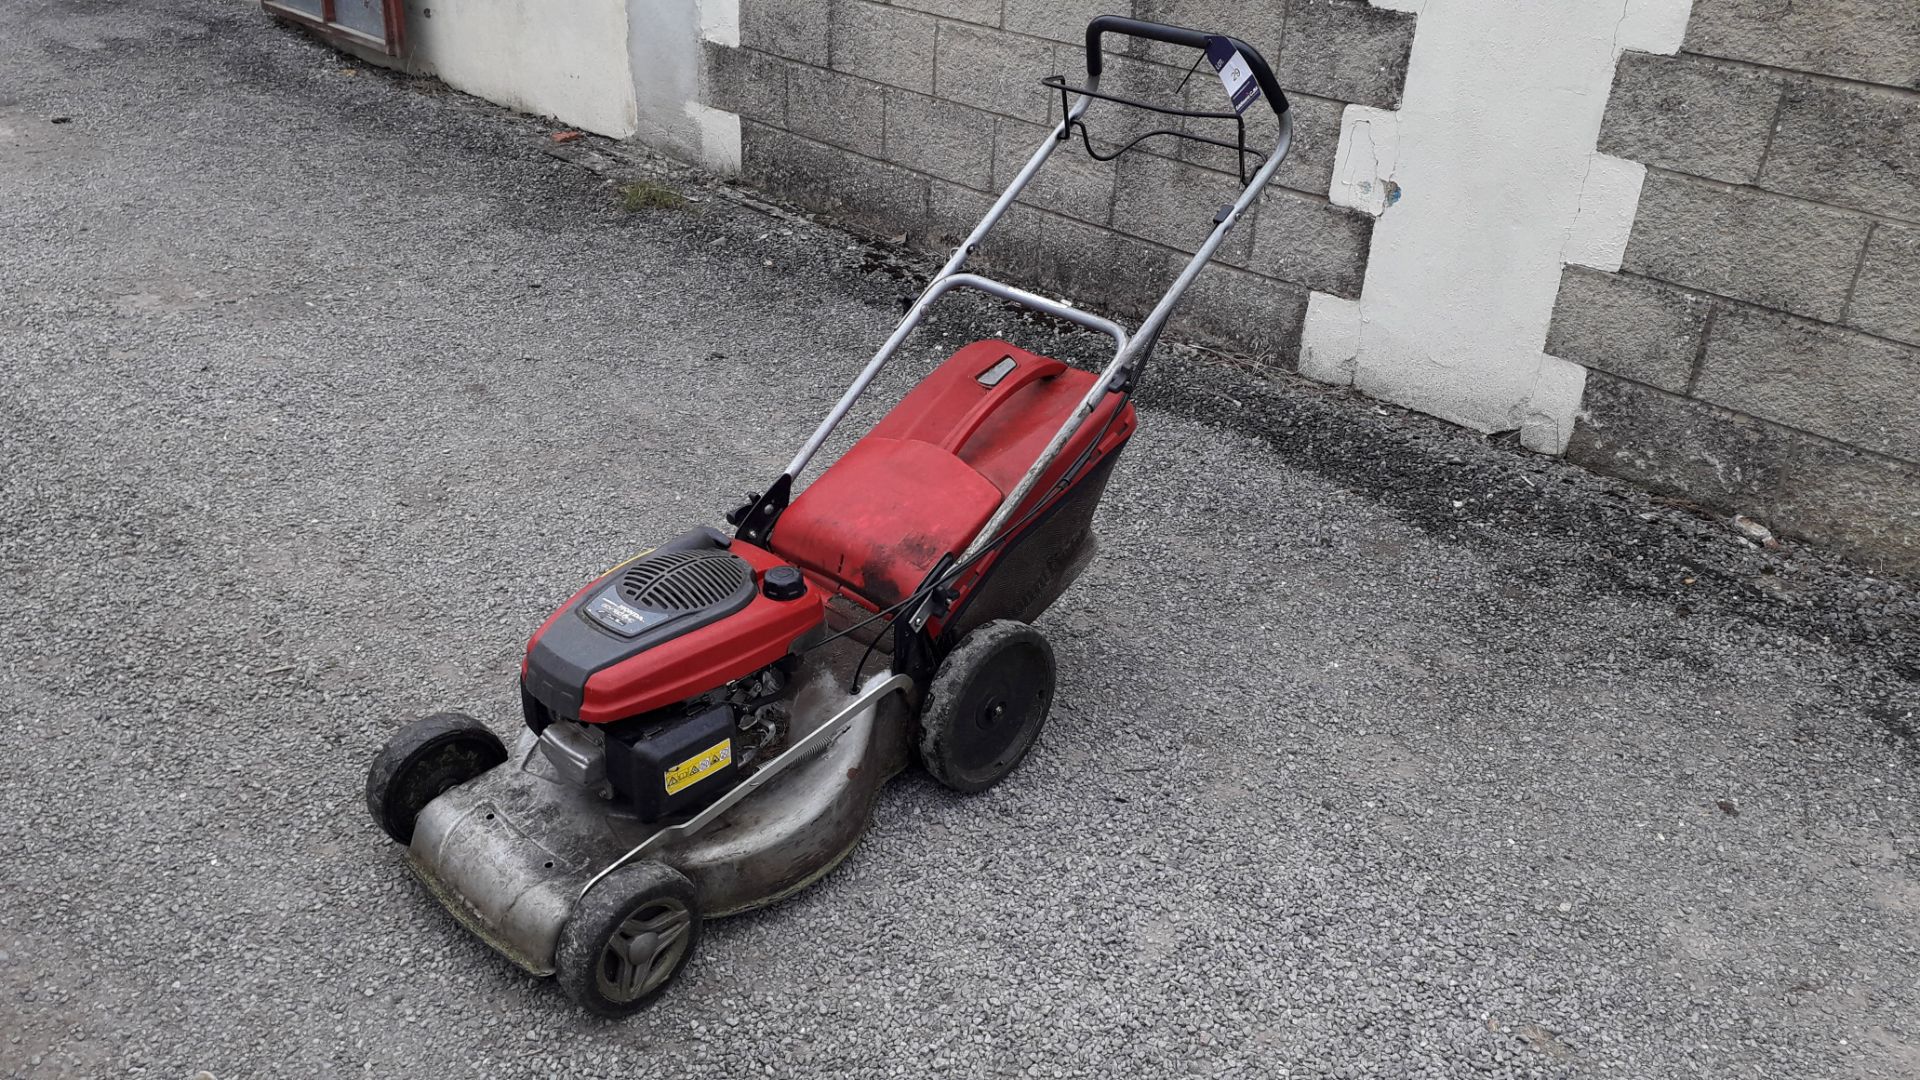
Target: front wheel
point(422, 760)
point(628, 938)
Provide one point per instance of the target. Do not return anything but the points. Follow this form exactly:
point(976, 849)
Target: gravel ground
point(1381, 749)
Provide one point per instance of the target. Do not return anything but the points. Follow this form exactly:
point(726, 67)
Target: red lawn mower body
point(706, 730)
point(916, 489)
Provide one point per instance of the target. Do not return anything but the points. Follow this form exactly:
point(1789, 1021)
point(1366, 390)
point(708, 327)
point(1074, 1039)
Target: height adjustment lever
point(739, 513)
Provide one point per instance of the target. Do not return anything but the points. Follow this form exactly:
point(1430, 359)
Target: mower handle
point(1180, 35)
point(1130, 350)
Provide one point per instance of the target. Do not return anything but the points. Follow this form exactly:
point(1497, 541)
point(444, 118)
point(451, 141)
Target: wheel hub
point(1006, 695)
point(642, 948)
point(643, 952)
point(992, 715)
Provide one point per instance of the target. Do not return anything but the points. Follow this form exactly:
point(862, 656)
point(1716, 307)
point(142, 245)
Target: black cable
point(1184, 79)
point(1239, 146)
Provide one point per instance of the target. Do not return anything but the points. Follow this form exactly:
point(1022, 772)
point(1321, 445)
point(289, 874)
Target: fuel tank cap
point(783, 583)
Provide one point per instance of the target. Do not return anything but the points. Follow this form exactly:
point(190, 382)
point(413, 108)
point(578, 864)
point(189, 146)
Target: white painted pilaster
point(667, 64)
point(718, 131)
point(575, 69)
point(1486, 182)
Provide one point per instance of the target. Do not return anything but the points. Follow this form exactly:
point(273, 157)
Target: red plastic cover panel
point(931, 473)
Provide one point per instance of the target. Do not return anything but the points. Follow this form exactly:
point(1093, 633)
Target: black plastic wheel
point(986, 704)
point(422, 760)
point(628, 939)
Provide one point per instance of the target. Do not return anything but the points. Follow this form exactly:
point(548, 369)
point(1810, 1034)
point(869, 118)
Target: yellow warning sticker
point(699, 766)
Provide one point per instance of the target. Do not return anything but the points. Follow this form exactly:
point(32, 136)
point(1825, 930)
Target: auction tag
point(1235, 75)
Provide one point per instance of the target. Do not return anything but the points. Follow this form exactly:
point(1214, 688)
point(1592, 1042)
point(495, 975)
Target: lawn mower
point(702, 733)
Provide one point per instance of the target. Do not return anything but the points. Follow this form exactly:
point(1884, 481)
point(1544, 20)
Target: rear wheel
point(422, 760)
point(986, 705)
point(628, 938)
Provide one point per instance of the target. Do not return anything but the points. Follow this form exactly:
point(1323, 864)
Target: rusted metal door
point(374, 24)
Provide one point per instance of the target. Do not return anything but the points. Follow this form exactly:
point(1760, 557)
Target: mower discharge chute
point(701, 737)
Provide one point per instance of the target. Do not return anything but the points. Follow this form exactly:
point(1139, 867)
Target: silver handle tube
point(929, 294)
point(1039, 303)
point(1150, 328)
point(1135, 351)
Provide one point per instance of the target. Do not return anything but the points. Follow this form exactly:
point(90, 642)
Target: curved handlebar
point(1180, 35)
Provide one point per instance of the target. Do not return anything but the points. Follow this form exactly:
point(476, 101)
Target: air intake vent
point(685, 580)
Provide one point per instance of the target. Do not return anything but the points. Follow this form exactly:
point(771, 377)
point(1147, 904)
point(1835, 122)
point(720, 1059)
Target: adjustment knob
point(783, 583)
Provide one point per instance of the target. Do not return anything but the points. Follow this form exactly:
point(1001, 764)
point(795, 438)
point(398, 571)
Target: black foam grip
point(1180, 35)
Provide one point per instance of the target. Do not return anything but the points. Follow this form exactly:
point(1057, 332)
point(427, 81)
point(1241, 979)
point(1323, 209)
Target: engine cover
point(680, 620)
point(672, 591)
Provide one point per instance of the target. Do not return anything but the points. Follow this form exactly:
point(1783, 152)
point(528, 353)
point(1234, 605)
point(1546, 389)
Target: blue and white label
point(1234, 73)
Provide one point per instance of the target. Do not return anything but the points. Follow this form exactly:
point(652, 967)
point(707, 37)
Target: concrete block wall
point(1677, 240)
point(1758, 348)
point(906, 118)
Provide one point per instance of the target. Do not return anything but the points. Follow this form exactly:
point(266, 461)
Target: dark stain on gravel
point(1900, 724)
